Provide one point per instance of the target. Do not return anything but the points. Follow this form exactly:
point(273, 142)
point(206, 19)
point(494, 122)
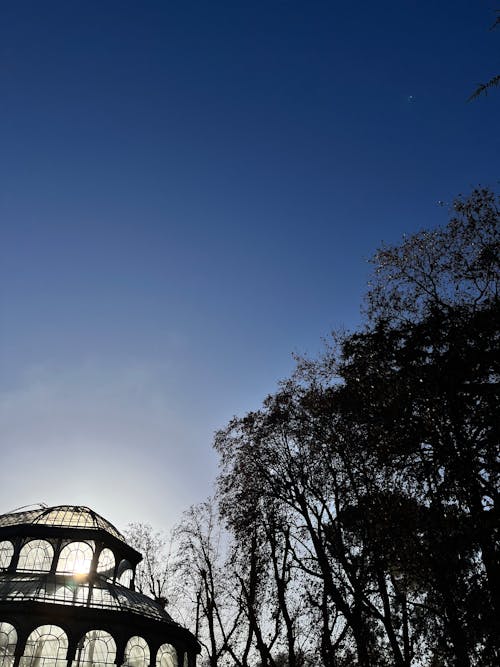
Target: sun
point(81, 566)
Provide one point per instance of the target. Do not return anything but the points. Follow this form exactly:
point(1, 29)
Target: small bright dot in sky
point(411, 99)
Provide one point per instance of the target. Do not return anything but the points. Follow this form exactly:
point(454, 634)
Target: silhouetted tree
point(208, 582)
point(382, 457)
point(356, 520)
point(484, 88)
point(154, 574)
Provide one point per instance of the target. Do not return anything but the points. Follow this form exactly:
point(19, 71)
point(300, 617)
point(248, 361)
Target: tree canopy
point(356, 515)
point(372, 474)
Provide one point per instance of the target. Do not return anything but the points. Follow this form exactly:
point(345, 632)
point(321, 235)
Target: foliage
point(356, 517)
point(484, 88)
point(494, 82)
point(457, 266)
point(376, 465)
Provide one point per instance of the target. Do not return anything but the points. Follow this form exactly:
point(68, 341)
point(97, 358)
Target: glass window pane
point(6, 553)
point(166, 656)
point(73, 516)
point(97, 648)
point(75, 558)
point(136, 653)
point(125, 578)
point(36, 556)
point(46, 646)
point(8, 640)
point(106, 563)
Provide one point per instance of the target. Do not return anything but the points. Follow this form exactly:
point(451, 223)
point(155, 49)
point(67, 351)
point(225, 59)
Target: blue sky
point(189, 192)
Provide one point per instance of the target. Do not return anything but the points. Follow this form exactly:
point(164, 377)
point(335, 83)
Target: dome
point(61, 516)
point(68, 598)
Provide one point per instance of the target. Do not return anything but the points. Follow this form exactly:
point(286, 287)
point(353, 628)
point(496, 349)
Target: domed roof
point(61, 516)
point(67, 562)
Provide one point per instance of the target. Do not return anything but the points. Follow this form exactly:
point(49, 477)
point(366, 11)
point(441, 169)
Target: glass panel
point(166, 656)
point(125, 578)
point(45, 647)
point(68, 594)
point(67, 515)
point(97, 648)
point(102, 597)
point(125, 573)
point(136, 653)
point(36, 556)
point(75, 517)
point(67, 590)
point(18, 518)
point(75, 558)
point(106, 563)
point(140, 604)
point(8, 639)
point(6, 553)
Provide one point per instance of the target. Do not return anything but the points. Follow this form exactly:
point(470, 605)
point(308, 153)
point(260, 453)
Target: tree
point(381, 456)
point(154, 574)
point(449, 268)
point(360, 502)
point(206, 581)
point(484, 88)
point(427, 394)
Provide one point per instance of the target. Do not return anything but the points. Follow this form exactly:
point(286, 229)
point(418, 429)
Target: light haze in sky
point(189, 192)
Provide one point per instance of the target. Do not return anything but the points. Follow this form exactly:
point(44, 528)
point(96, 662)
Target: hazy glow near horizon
point(188, 194)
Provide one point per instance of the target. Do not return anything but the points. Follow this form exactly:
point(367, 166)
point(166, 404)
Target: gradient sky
point(189, 192)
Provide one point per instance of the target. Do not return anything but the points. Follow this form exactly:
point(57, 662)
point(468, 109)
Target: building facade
point(67, 597)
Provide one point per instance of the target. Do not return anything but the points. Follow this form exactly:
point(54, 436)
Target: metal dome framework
point(63, 516)
point(67, 597)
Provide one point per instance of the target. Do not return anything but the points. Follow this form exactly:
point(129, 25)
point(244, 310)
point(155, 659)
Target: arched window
point(36, 556)
point(166, 656)
point(8, 640)
point(106, 563)
point(46, 646)
point(125, 578)
point(97, 647)
point(6, 553)
point(136, 653)
point(75, 558)
point(125, 573)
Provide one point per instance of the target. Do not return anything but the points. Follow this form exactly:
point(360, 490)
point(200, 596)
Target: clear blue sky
point(189, 192)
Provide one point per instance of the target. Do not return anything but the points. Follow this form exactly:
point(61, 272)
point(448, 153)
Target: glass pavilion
point(67, 597)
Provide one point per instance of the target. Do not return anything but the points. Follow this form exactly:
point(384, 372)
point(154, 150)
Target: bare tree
point(155, 573)
point(205, 579)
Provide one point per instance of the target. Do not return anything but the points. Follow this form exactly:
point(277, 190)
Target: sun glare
point(81, 566)
point(76, 558)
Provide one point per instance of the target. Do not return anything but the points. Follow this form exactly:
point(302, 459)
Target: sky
point(189, 194)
